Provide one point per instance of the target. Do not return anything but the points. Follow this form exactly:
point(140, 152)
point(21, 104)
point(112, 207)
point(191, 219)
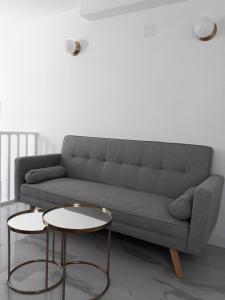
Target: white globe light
point(204, 28)
point(72, 47)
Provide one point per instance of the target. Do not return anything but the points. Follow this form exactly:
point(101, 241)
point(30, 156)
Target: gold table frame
point(46, 260)
point(66, 231)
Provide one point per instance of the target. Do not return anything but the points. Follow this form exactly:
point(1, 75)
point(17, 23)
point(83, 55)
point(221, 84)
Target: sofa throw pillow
point(38, 175)
point(181, 207)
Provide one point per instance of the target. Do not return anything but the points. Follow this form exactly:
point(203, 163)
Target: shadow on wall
point(84, 45)
point(221, 27)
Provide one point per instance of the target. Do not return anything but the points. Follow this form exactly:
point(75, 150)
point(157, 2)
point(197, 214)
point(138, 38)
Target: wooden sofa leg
point(176, 263)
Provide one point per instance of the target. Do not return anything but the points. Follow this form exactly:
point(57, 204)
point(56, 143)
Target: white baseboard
point(217, 240)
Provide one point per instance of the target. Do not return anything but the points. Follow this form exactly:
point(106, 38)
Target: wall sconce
point(72, 47)
point(205, 29)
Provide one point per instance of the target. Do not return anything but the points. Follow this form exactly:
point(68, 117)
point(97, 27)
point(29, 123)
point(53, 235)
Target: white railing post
point(26, 144)
point(15, 148)
point(18, 144)
point(9, 167)
point(0, 167)
point(36, 144)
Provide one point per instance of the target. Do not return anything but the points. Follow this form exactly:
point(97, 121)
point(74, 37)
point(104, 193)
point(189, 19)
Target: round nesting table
point(30, 222)
point(79, 219)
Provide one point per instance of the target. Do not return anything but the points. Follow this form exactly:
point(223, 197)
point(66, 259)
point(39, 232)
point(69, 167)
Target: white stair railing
point(12, 145)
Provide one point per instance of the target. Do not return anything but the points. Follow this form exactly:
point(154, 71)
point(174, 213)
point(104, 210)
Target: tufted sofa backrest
point(161, 168)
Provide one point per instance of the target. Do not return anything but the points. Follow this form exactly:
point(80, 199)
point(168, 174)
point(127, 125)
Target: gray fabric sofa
point(137, 181)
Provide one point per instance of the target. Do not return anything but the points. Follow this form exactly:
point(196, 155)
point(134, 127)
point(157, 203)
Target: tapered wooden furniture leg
point(176, 263)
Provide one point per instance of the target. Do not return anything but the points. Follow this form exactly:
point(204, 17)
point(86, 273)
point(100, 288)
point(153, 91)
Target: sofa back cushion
point(161, 168)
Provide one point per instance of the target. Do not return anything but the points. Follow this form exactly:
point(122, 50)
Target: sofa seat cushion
point(144, 210)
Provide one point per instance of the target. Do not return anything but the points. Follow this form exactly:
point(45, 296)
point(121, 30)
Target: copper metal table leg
point(53, 246)
point(106, 271)
point(62, 237)
point(46, 265)
point(46, 261)
point(64, 266)
point(109, 249)
point(9, 252)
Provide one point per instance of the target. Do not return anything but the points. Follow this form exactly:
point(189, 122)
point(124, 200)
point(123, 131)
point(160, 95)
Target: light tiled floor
point(139, 270)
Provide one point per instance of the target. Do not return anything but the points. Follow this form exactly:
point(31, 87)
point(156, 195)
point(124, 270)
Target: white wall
point(8, 38)
point(167, 88)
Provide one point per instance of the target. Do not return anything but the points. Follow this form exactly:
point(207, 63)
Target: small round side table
point(30, 222)
point(80, 219)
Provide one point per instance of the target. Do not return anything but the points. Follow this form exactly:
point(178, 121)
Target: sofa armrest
point(24, 164)
point(205, 210)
